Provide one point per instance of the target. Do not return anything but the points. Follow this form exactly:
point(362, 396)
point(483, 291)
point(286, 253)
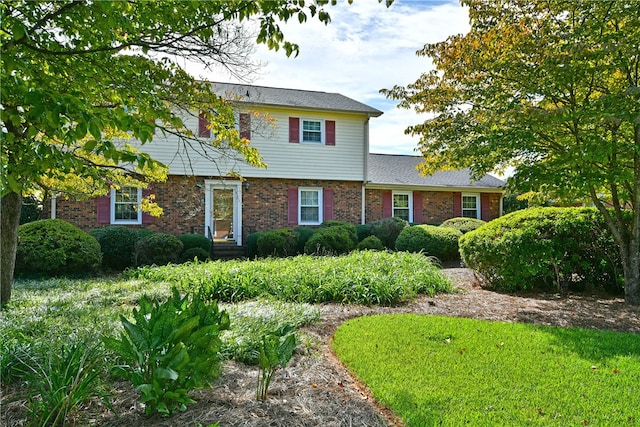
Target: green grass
point(362, 277)
point(433, 370)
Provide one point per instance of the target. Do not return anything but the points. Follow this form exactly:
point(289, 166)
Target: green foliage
point(117, 244)
point(304, 234)
point(464, 225)
point(193, 253)
point(158, 249)
point(371, 242)
point(332, 240)
point(252, 245)
point(275, 352)
point(388, 230)
point(252, 320)
point(276, 243)
point(363, 231)
point(435, 370)
point(440, 242)
point(195, 241)
point(361, 277)
point(54, 247)
point(31, 210)
point(170, 348)
point(554, 248)
point(60, 380)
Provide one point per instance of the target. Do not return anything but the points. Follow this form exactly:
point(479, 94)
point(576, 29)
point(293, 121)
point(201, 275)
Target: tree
point(79, 77)
point(548, 87)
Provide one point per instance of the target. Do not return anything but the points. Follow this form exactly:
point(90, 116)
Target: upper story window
point(126, 205)
point(310, 206)
point(312, 131)
point(402, 205)
point(471, 206)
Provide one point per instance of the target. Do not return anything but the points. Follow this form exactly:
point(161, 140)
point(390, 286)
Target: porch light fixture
point(246, 186)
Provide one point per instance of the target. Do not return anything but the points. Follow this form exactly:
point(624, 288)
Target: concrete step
point(230, 250)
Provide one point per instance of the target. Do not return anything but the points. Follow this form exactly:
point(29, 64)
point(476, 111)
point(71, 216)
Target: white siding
point(344, 161)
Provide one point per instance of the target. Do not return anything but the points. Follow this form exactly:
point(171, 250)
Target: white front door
point(223, 210)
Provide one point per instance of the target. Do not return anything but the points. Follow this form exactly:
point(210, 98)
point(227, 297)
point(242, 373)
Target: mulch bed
point(315, 390)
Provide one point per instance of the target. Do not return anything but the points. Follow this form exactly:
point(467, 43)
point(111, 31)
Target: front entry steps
point(227, 250)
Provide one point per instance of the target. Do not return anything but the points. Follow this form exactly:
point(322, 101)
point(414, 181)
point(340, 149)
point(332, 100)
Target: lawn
point(433, 370)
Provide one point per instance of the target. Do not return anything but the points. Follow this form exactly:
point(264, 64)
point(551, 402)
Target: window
point(310, 206)
point(125, 205)
point(312, 131)
point(402, 206)
point(470, 206)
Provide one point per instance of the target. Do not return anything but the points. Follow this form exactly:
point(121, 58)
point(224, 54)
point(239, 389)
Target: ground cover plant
point(361, 277)
point(433, 370)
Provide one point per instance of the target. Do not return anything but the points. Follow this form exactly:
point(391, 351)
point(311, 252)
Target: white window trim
point(322, 131)
point(477, 197)
point(408, 193)
point(320, 205)
point(112, 208)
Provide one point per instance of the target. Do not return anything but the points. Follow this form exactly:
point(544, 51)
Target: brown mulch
point(315, 390)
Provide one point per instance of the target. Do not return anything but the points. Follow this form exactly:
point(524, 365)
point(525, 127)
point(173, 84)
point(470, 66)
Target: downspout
point(53, 206)
point(501, 204)
point(365, 177)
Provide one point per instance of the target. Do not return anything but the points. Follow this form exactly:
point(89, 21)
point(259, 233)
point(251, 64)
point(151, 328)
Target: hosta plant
point(169, 349)
point(275, 352)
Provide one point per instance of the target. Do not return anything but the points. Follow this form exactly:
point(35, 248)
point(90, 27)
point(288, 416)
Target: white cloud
point(365, 48)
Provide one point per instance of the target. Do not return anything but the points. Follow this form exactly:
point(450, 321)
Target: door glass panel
point(223, 214)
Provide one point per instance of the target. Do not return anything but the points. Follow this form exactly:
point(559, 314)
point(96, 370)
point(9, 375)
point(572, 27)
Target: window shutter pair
point(244, 125)
point(103, 209)
point(327, 204)
point(387, 205)
point(329, 129)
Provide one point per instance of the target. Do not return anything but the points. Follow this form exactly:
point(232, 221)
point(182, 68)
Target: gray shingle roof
point(292, 98)
point(390, 169)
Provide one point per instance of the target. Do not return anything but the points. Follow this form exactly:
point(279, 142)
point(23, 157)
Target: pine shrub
point(117, 244)
point(158, 249)
point(440, 242)
point(464, 225)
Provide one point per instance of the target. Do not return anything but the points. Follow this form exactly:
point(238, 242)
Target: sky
point(365, 48)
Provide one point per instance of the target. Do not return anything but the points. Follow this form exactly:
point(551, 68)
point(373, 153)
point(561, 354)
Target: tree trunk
point(9, 221)
point(631, 267)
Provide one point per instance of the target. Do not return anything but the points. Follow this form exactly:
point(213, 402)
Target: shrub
point(55, 247)
point(252, 244)
point(371, 242)
point(347, 226)
point(464, 225)
point(440, 242)
point(117, 244)
point(388, 230)
point(334, 240)
point(276, 243)
point(553, 248)
point(158, 249)
point(190, 241)
point(171, 348)
point(363, 231)
point(304, 234)
point(193, 253)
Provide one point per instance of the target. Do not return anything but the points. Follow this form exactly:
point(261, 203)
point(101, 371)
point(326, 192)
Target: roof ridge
point(276, 87)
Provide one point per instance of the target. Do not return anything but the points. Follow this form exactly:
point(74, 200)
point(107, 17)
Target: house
point(319, 168)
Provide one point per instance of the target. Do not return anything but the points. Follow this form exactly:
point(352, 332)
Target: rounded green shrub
point(190, 241)
point(158, 249)
point(117, 244)
point(331, 240)
point(371, 242)
point(55, 247)
point(363, 231)
point(464, 225)
point(388, 230)
point(440, 242)
point(252, 244)
point(303, 235)
point(192, 253)
point(550, 248)
point(347, 226)
point(276, 243)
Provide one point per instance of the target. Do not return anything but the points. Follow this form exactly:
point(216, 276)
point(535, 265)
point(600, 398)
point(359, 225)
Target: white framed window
point(312, 131)
point(403, 205)
point(126, 205)
point(471, 206)
point(310, 206)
